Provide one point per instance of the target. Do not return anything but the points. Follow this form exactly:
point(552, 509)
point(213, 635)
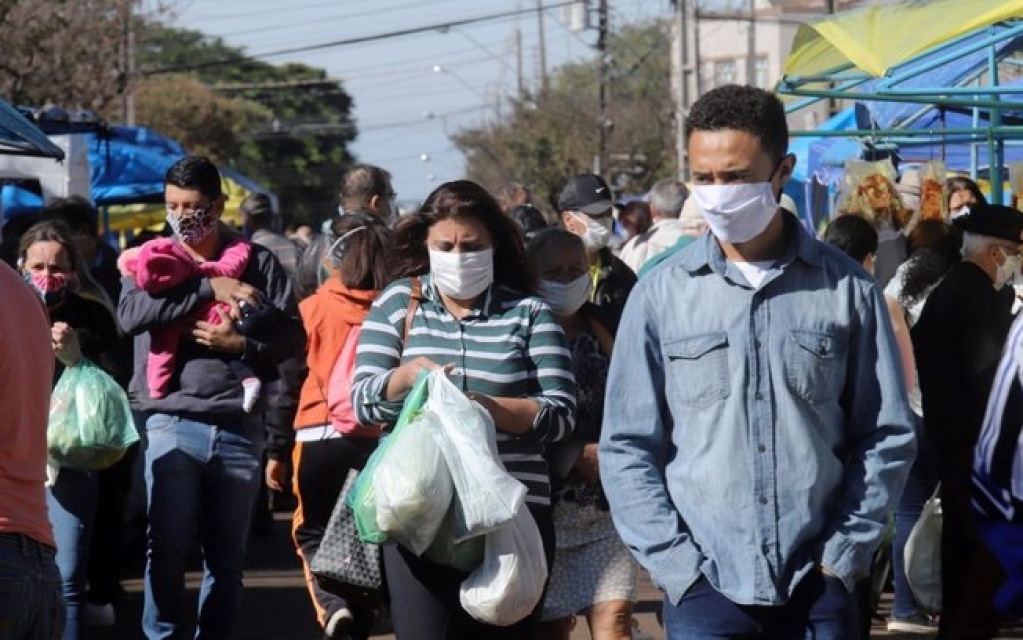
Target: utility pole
point(832, 103)
point(681, 76)
point(604, 68)
point(518, 61)
point(751, 44)
point(129, 64)
point(543, 46)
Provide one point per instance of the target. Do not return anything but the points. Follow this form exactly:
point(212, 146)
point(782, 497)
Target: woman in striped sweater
point(477, 315)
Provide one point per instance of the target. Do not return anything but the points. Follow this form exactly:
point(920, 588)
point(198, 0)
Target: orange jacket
point(327, 316)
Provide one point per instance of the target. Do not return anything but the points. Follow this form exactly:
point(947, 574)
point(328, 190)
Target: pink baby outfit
point(161, 264)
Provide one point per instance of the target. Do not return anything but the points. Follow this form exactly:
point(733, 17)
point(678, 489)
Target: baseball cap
point(586, 192)
point(993, 220)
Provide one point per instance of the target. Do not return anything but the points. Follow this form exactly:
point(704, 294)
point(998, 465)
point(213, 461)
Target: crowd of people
point(692, 384)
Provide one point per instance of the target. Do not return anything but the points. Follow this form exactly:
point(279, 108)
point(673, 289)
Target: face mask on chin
point(598, 231)
point(462, 276)
point(565, 298)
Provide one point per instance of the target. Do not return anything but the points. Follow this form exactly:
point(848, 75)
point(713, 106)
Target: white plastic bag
point(922, 556)
point(486, 495)
point(413, 487)
point(509, 583)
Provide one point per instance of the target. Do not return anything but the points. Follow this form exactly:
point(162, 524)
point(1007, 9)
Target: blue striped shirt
point(510, 345)
point(998, 458)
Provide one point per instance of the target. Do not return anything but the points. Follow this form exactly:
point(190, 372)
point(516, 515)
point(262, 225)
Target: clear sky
point(411, 91)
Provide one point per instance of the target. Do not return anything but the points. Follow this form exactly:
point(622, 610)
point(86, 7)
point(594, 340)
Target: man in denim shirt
point(757, 430)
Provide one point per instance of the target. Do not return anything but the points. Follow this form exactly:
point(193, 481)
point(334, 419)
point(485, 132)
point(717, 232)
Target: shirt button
point(758, 396)
point(763, 499)
point(756, 343)
point(766, 548)
point(761, 448)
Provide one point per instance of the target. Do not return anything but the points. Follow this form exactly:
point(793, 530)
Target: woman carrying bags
point(323, 454)
point(476, 316)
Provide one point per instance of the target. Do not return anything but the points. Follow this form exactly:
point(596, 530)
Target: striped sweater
point(509, 346)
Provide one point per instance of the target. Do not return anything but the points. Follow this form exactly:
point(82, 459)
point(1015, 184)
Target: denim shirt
point(753, 435)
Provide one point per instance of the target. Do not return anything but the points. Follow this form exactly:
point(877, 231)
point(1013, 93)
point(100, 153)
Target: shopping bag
point(486, 495)
point(922, 556)
point(412, 486)
point(509, 584)
point(90, 424)
point(464, 556)
point(342, 559)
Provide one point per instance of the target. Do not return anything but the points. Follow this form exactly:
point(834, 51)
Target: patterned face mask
point(51, 288)
point(194, 228)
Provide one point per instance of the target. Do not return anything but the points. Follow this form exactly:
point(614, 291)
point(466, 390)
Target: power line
point(349, 41)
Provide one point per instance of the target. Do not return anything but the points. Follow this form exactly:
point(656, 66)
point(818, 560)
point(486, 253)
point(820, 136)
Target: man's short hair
point(195, 173)
point(856, 237)
point(360, 183)
point(667, 197)
point(258, 207)
point(742, 108)
point(76, 212)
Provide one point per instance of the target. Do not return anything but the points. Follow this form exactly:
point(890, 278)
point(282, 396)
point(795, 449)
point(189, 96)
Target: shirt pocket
point(815, 364)
point(698, 369)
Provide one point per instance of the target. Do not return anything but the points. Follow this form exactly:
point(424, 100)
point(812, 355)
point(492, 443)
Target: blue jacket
point(753, 435)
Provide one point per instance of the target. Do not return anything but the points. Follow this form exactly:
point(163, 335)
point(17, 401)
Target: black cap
point(992, 220)
point(587, 193)
point(258, 205)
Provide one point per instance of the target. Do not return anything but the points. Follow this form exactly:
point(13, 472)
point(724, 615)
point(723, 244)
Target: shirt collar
point(707, 253)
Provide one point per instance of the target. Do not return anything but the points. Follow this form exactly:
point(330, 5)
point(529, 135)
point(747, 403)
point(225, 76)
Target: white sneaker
point(337, 626)
point(100, 615)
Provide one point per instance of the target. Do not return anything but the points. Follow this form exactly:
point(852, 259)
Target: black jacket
point(614, 284)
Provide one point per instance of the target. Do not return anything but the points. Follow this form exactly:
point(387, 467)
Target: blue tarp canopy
point(18, 136)
point(128, 165)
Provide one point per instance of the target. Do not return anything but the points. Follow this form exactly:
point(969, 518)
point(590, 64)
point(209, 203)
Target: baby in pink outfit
point(161, 264)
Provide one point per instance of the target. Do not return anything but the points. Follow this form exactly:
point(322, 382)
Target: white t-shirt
point(754, 272)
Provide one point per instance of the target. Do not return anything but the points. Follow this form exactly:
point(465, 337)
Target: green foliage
point(553, 135)
point(285, 126)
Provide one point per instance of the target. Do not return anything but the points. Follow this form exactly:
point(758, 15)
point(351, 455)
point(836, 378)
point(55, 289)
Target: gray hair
point(667, 197)
point(975, 244)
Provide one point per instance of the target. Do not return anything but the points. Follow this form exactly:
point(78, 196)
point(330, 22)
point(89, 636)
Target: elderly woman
point(475, 314)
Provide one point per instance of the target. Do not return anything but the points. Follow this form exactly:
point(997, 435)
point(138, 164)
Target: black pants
point(424, 595)
point(320, 471)
point(970, 573)
point(107, 559)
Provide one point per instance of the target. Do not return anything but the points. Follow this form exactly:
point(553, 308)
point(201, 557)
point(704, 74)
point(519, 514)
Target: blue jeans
point(72, 506)
point(920, 485)
point(820, 609)
point(201, 480)
point(31, 606)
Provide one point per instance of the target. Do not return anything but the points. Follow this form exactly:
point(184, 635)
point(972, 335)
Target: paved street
point(276, 606)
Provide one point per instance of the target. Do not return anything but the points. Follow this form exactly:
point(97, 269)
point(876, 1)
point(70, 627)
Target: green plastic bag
point(362, 499)
point(90, 423)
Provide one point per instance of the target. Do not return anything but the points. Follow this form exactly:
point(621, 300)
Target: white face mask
point(1007, 270)
point(736, 213)
point(462, 276)
point(565, 298)
point(598, 231)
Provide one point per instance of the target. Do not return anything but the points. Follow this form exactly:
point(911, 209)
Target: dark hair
point(360, 183)
point(51, 231)
point(74, 211)
point(551, 240)
point(962, 183)
point(742, 108)
point(361, 258)
point(462, 200)
point(512, 195)
point(310, 263)
point(529, 219)
point(856, 237)
point(927, 233)
point(928, 264)
point(636, 213)
point(195, 173)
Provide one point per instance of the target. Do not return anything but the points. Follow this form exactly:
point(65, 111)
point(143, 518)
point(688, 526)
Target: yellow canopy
point(145, 216)
point(876, 38)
